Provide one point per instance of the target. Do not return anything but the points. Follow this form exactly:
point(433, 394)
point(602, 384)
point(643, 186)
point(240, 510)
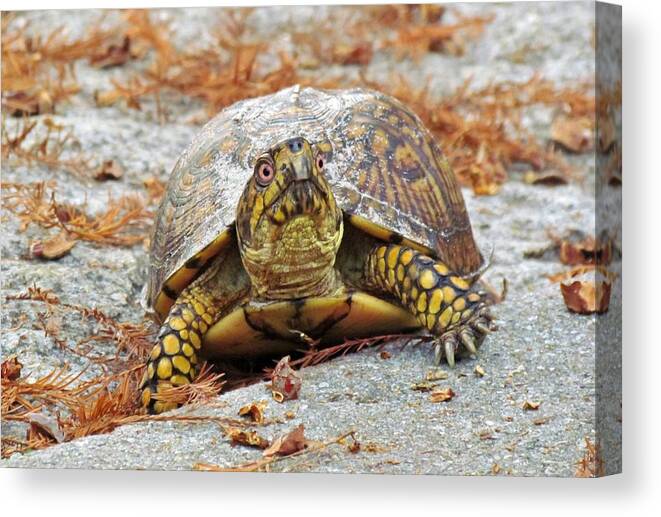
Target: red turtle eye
point(264, 173)
point(320, 162)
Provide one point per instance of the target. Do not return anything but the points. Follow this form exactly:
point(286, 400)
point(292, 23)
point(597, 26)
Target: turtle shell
point(387, 173)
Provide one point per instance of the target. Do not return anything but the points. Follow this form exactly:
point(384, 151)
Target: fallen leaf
point(442, 395)
point(53, 248)
point(360, 54)
point(285, 381)
point(385, 354)
point(254, 410)
point(587, 296)
point(113, 55)
point(10, 370)
point(423, 386)
point(287, 444)
point(244, 437)
point(530, 406)
point(495, 468)
point(289, 415)
point(108, 170)
point(479, 371)
point(22, 104)
point(573, 133)
point(549, 178)
point(541, 420)
point(586, 251)
point(436, 375)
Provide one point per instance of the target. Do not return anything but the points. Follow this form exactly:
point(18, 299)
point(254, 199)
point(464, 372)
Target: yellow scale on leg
point(173, 360)
point(440, 300)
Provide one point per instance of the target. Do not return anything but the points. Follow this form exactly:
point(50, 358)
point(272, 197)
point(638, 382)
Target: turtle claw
point(438, 354)
point(450, 345)
point(468, 340)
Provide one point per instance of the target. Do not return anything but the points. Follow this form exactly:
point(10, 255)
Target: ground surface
point(541, 353)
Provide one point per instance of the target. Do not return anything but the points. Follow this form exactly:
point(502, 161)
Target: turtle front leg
point(444, 303)
point(173, 360)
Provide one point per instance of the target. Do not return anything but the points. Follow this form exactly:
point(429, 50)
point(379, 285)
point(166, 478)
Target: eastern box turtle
point(309, 214)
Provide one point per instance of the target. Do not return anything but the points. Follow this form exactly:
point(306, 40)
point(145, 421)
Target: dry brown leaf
point(587, 250)
point(530, 406)
point(23, 104)
point(587, 296)
point(10, 370)
point(108, 170)
point(442, 395)
point(113, 55)
point(573, 133)
point(246, 437)
point(53, 248)
point(384, 354)
point(287, 444)
point(548, 178)
point(285, 381)
point(254, 410)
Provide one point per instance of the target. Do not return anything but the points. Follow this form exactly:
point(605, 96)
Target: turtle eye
point(320, 162)
point(264, 173)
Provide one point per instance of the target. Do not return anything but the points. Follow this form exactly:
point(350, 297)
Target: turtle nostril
point(295, 145)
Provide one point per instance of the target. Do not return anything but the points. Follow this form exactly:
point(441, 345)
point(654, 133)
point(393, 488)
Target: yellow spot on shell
point(199, 308)
point(177, 323)
point(179, 380)
point(473, 297)
point(441, 269)
point(466, 314)
point(459, 282)
point(414, 294)
point(155, 352)
point(392, 257)
point(445, 317)
point(187, 315)
point(195, 325)
point(422, 302)
point(146, 396)
point(195, 340)
point(150, 371)
point(459, 304)
point(192, 372)
point(407, 283)
point(207, 317)
point(183, 334)
point(171, 344)
point(455, 317)
point(427, 280)
point(181, 363)
point(406, 257)
point(381, 252)
point(164, 369)
point(203, 327)
point(448, 294)
point(435, 301)
point(400, 272)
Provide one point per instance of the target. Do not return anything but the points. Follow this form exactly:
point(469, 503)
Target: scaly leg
point(173, 360)
point(446, 304)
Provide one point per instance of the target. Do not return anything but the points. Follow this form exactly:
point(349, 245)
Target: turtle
point(309, 215)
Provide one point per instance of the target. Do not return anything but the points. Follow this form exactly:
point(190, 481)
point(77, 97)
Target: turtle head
point(288, 223)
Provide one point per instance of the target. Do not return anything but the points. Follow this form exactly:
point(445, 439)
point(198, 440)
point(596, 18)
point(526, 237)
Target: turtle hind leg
point(173, 360)
point(444, 303)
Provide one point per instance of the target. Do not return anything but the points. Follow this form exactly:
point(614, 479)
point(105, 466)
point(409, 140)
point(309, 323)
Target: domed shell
point(387, 172)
